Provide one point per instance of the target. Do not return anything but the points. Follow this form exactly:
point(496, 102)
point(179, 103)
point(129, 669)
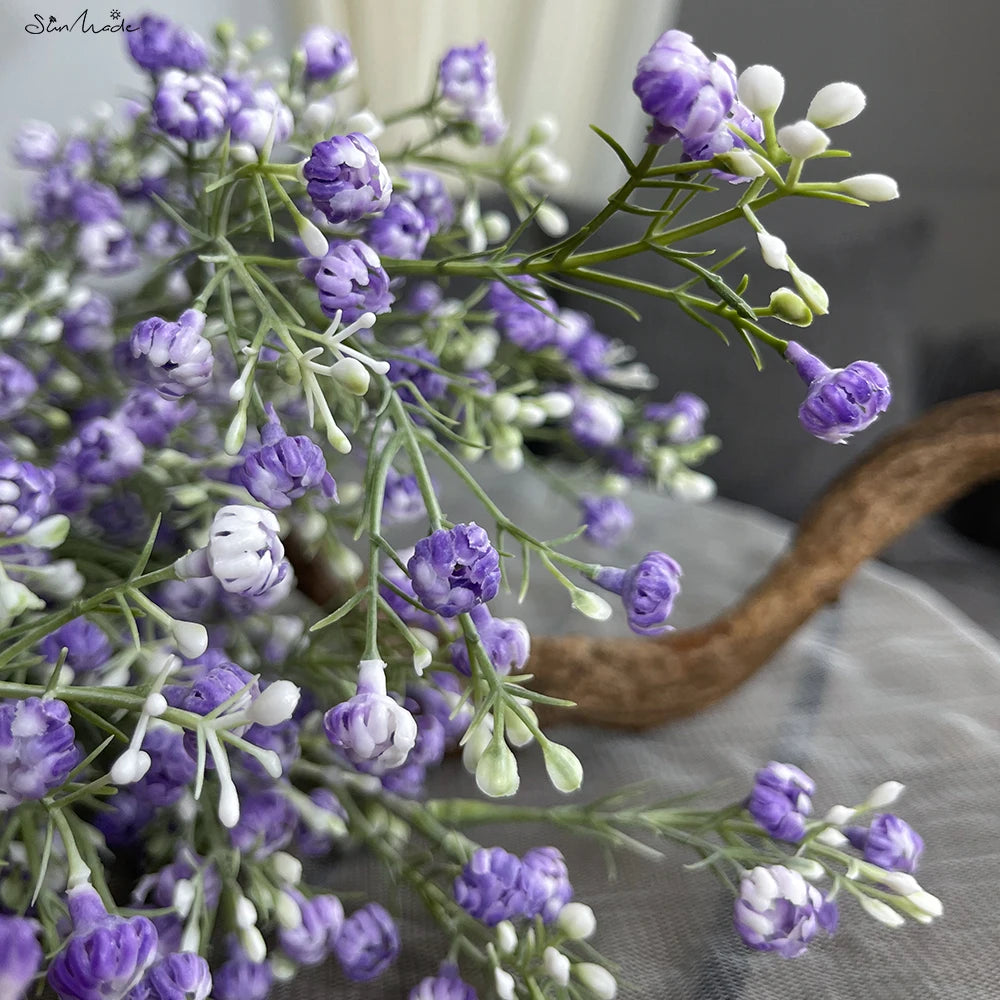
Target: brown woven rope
point(640, 682)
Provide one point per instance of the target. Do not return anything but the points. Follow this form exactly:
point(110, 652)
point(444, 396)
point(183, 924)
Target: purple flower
point(546, 882)
point(123, 821)
point(607, 520)
point(266, 824)
point(161, 44)
point(411, 615)
point(37, 751)
point(531, 323)
point(35, 145)
point(192, 107)
point(152, 416)
point(350, 280)
point(889, 842)
point(682, 89)
point(467, 82)
point(491, 886)
point(506, 641)
point(20, 956)
point(87, 646)
point(683, 417)
point(724, 140)
point(25, 495)
point(346, 179)
point(371, 728)
point(87, 321)
point(214, 686)
point(441, 698)
point(105, 956)
point(327, 53)
point(777, 910)
point(95, 203)
point(780, 800)
point(417, 365)
point(242, 979)
point(400, 231)
point(402, 501)
point(17, 386)
point(171, 770)
point(104, 451)
point(260, 112)
point(316, 936)
point(284, 468)
point(647, 590)
point(427, 191)
point(180, 976)
point(454, 570)
point(157, 890)
point(368, 943)
point(595, 422)
point(106, 247)
point(446, 985)
point(840, 401)
point(282, 739)
point(179, 357)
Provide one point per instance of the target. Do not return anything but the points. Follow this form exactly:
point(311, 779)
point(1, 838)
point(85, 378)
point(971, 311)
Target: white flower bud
point(253, 944)
point(318, 116)
point(287, 869)
point(831, 837)
point(130, 767)
point(882, 912)
point(15, 599)
point(577, 921)
point(352, 375)
point(244, 913)
point(902, 882)
point(287, 911)
point(761, 89)
point(482, 350)
point(802, 140)
point(496, 225)
point(191, 638)
point(315, 242)
point(505, 407)
point(839, 815)
point(506, 937)
point(870, 187)
point(275, 704)
point(517, 733)
point(504, 984)
point(563, 767)
point(552, 220)
point(692, 487)
point(811, 290)
point(476, 743)
point(740, 163)
point(590, 604)
point(346, 565)
point(49, 533)
point(543, 130)
point(927, 902)
point(508, 459)
point(237, 432)
point(530, 414)
point(557, 405)
point(836, 104)
point(556, 965)
point(229, 805)
point(884, 795)
point(597, 979)
point(774, 251)
point(47, 330)
point(11, 324)
point(547, 168)
point(155, 705)
point(183, 897)
point(365, 122)
point(496, 771)
point(806, 867)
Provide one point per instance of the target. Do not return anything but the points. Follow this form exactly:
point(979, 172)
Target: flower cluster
point(239, 628)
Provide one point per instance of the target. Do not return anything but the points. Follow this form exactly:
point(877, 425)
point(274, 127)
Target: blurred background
point(911, 282)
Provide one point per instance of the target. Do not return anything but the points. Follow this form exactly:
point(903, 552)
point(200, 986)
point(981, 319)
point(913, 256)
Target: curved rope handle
point(639, 682)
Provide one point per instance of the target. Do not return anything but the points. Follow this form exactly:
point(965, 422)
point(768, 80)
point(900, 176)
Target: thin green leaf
point(698, 318)
point(265, 206)
point(44, 863)
point(345, 609)
point(130, 618)
point(616, 147)
point(147, 550)
point(591, 293)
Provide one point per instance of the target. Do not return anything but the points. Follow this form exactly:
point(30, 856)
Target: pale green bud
point(287, 912)
point(505, 407)
point(49, 533)
point(237, 432)
point(927, 902)
point(496, 771)
point(811, 290)
point(543, 131)
point(740, 162)
point(597, 979)
point(191, 638)
point(590, 604)
point(563, 767)
point(789, 307)
point(552, 220)
point(315, 242)
point(518, 734)
point(352, 375)
point(882, 912)
point(496, 225)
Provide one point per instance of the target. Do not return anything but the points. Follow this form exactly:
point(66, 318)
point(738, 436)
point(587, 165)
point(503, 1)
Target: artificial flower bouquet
point(244, 328)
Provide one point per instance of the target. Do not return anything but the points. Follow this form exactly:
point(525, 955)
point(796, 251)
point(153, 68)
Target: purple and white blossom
point(546, 882)
point(506, 642)
point(20, 956)
point(427, 191)
point(455, 569)
point(595, 421)
point(261, 117)
point(467, 84)
point(683, 418)
point(607, 520)
point(178, 976)
point(400, 231)
point(418, 365)
point(25, 495)
point(160, 44)
point(179, 357)
point(104, 451)
point(241, 978)
point(346, 179)
point(889, 842)
point(315, 937)
point(17, 386)
point(780, 801)
point(647, 589)
point(777, 910)
point(491, 886)
point(35, 145)
point(87, 646)
point(327, 53)
point(191, 106)
point(37, 749)
point(446, 985)
point(350, 280)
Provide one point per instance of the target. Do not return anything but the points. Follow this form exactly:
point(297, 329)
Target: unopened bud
point(552, 220)
point(811, 290)
point(191, 638)
point(740, 162)
point(789, 307)
point(517, 732)
point(692, 487)
point(318, 117)
point(287, 911)
point(882, 912)
point(275, 704)
point(49, 533)
point(884, 795)
point(927, 902)
point(287, 868)
point(839, 815)
point(902, 882)
point(505, 406)
point(597, 979)
point(315, 242)
point(773, 250)
point(761, 89)
point(496, 771)
point(590, 604)
point(237, 432)
point(530, 414)
point(365, 122)
point(802, 140)
point(556, 965)
point(496, 225)
point(831, 837)
point(352, 375)
point(558, 405)
point(482, 350)
point(563, 767)
point(252, 942)
point(836, 104)
point(504, 984)
point(476, 743)
point(506, 937)
point(543, 131)
point(870, 187)
point(577, 921)
point(806, 867)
